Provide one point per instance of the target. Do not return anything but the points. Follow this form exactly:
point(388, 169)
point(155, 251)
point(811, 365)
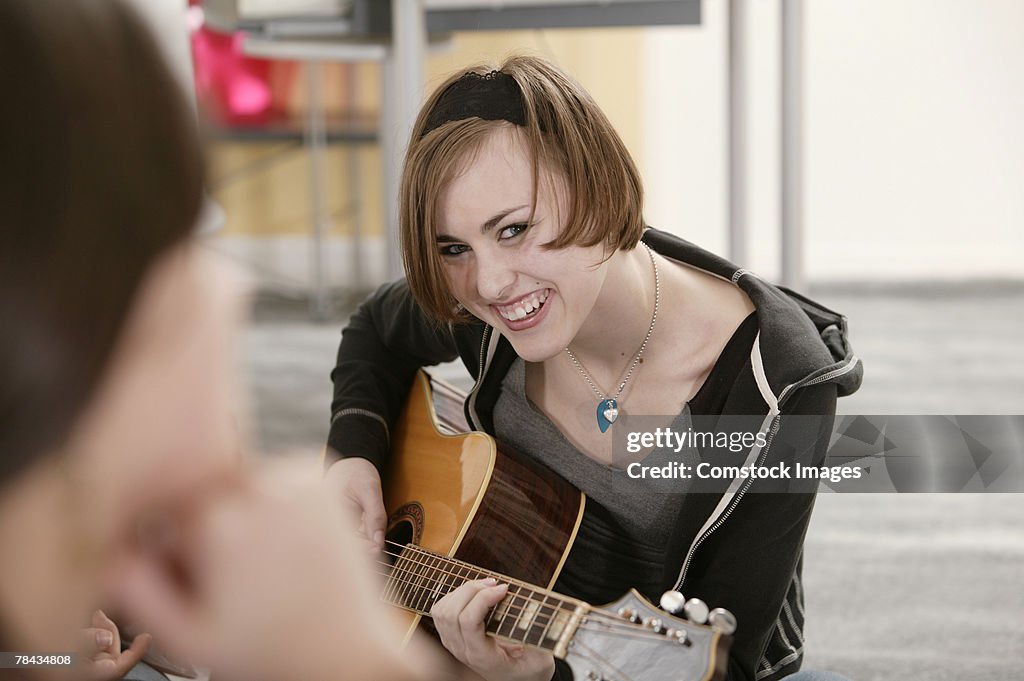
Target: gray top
point(627, 537)
point(627, 526)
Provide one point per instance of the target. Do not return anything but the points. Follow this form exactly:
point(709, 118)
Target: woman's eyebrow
point(498, 217)
point(486, 227)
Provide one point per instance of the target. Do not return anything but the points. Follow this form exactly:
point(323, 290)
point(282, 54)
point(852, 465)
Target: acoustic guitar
point(459, 510)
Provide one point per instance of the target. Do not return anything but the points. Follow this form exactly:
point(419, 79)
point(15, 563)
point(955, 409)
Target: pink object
point(233, 89)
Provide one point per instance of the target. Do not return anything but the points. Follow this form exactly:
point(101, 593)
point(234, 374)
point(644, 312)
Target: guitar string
point(496, 631)
point(601, 660)
point(422, 581)
point(603, 621)
point(419, 551)
point(632, 631)
point(417, 581)
point(512, 582)
point(611, 620)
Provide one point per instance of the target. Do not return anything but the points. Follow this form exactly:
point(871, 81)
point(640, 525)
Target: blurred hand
point(102, 658)
point(356, 483)
point(459, 618)
point(263, 583)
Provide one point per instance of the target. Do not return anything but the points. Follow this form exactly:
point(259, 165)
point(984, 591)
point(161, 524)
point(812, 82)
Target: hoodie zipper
point(728, 511)
point(484, 339)
point(775, 426)
point(847, 368)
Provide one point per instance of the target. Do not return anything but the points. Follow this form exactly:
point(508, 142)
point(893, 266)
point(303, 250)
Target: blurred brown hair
point(100, 173)
point(566, 132)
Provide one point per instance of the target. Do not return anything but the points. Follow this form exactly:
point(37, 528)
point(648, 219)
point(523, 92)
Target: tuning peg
point(655, 625)
point(722, 621)
point(672, 602)
point(696, 610)
point(679, 636)
point(630, 614)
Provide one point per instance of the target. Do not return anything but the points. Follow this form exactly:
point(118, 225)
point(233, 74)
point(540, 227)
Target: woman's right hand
point(357, 485)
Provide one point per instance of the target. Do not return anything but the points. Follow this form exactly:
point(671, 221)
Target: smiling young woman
point(527, 257)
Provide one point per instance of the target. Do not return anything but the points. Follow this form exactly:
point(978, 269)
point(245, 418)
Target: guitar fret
point(470, 575)
point(432, 582)
point(502, 610)
point(440, 587)
point(558, 623)
point(528, 614)
point(437, 574)
point(550, 622)
point(450, 580)
point(409, 579)
point(398, 579)
point(410, 576)
point(514, 612)
point(460, 577)
point(422, 582)
point(543, 611)
point(392, 583)
point(494, 620)
point(489, 622)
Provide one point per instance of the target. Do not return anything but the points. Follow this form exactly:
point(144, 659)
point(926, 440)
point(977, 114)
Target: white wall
point(914, 136)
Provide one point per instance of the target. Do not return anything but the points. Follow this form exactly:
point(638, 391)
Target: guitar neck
point(527, 615)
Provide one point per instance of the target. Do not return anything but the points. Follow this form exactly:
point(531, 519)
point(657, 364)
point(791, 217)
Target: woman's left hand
point(459, 618)
point(101, 649)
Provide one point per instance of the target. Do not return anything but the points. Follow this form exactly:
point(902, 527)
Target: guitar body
point(459, 509)
point(459, 496)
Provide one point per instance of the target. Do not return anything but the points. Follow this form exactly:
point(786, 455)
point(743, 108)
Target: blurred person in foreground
point(121, 484)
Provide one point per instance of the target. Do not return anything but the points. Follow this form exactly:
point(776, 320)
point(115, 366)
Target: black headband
point(493, 96)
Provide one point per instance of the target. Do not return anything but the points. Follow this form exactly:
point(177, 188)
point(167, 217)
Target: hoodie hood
point(800, 342)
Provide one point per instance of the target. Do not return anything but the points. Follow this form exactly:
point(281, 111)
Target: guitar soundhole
point(405, 526)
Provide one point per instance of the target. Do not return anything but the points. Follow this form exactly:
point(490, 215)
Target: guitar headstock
point(633, 639)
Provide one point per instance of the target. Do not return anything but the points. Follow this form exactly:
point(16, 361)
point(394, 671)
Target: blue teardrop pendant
point(607, 412)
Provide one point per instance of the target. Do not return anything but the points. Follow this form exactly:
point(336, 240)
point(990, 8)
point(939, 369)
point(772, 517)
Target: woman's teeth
point(523, 308)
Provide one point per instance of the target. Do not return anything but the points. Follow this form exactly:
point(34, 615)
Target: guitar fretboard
point(534, 617)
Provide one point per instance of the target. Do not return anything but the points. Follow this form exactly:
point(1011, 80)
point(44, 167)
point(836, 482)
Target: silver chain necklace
point(608, 407)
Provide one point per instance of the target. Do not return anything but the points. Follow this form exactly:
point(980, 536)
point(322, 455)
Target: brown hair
point(101, 173)
point(566, 133)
